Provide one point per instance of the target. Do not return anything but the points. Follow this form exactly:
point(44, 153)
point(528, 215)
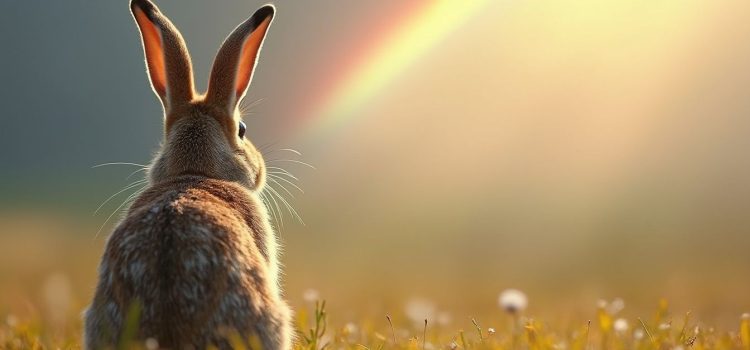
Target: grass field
point(46, 281)
point(47, 274)
point(513, 330)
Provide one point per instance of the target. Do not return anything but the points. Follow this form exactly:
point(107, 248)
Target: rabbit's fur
point(195, 258)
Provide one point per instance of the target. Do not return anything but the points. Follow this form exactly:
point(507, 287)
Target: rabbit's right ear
point(167, 58)
point(235, 62)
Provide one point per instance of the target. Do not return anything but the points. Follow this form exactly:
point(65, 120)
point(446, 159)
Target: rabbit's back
point(194, 256)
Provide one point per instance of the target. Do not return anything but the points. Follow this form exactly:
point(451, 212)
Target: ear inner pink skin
point(167, 58)
point(152, 46)
point(236, 60)
point(249, 59)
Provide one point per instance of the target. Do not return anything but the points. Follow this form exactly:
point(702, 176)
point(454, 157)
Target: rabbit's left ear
point(235, 62)
point(167, 58)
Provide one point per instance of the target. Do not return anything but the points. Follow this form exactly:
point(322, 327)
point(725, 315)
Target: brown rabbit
point(196, 253)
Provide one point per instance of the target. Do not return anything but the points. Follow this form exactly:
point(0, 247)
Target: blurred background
point(574, 150)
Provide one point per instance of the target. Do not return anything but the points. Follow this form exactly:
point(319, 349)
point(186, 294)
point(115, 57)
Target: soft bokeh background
point(576, 150)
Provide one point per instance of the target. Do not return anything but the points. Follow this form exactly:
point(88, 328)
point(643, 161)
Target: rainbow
point(388, 58)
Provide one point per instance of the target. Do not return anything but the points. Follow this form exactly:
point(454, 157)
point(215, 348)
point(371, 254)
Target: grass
point(511, 329)
point(47, 276)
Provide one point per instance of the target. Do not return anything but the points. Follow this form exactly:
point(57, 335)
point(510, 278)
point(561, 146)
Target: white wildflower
point(513, 301)
point(616, 306)
point(621, 325)
point(418, 309)
point(444, 318)
point(351, 328)
point(311, 295)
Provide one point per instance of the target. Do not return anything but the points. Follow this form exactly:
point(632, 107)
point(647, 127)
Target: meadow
point(44, 287)
point(513, 330)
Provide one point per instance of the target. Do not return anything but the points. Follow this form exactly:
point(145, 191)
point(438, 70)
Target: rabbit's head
point(204, 134)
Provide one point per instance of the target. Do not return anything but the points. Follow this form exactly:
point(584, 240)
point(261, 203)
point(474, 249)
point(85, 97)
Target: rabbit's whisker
point(117, 163)
point(285, 180)
point(136, 172)
point(292, 161)
point(264, 147)
point(278, 175)
point(276, 204)
point(133, 195)
point(132, 185)
point(281, 171)
point(268, 206)
point(246, 107)
point(284, 150)
point(291, 150)
point(255, 103)
point(289, 207)
point(274, 211)
point(282, 186)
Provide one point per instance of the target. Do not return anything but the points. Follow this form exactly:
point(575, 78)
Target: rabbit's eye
point(242, 128)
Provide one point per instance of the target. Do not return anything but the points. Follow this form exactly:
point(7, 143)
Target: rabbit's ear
point(167, 58)
point(235, 62)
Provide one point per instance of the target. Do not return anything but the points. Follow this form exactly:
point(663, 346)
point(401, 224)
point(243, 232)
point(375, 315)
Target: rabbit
point(195, 257)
